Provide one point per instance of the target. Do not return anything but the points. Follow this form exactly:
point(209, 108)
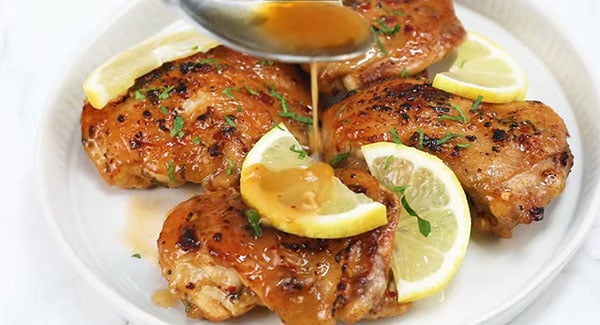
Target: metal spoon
point(234, 24)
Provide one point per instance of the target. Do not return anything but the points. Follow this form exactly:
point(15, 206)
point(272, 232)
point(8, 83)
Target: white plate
point(499, 278)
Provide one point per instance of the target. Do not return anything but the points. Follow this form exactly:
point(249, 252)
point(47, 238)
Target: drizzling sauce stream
point(312, 27)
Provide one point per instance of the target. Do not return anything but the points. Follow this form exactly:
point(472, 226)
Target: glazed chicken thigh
point(194, 120)
point(412, 35)
point(214, 262)
point(511, 159)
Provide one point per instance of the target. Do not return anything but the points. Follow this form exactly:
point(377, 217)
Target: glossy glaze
point(224, 101)
point(428, 30)
point(511, 159)
point(305, 281)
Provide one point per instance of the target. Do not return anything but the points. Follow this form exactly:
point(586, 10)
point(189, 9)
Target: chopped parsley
point(228, 92)
point(301, 152)
point(138, 95)
point(424, 225)
point(239, 108)
point(395, 136)
point(285, 107)
point(253, 219)
point(171, 171)
point(230, 167)
point(461, 114)
point(136, 255)
point(251, 91)
point(278, 125)
point(382, 27)
point(476, 103)
point(462, 64)
point(164, 94)
point(339, 159)
point(264, 62)
point(447, 137)
point(230, 121)
point(421, 138)
point(463, 145)
point(404, 72)
point(381, 47)
point(164, 109)
point(388, 162)
point(213, 62)
point(341, 110)
point(177, 127)
point(197, 140)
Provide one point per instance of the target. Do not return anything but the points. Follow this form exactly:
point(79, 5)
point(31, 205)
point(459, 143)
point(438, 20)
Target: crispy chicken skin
point(193, 120)
point(428, 30)
point(213, 262)
point(511, 159)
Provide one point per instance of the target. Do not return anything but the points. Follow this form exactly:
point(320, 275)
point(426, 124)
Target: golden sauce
point(164, 298)
point(315, 136)
point(312, 26)
point(299, 190)
point(145, 219)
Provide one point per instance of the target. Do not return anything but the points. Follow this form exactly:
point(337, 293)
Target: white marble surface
point(37, 40)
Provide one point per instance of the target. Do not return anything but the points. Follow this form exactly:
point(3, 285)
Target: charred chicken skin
point(511, 159)
point(214, 262)
point(412, 35)
point(194, 120)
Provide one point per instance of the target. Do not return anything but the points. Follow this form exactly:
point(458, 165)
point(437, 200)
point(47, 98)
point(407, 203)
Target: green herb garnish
point(138, 95)
point(228, 93)
point(388, 162)
point(404, 72)
point(383, 28)
point(251, 91)
point(301, 152)
point(177, 127)
point(339, 159)
point(230, 167)
point(164, 94)
point(253, 219)
point(230, 121)
point(136, 255)
point(213, 62)
point(461, 114)
point(164, 109)
point(395, 136)
point(421, 138)
point(171, 169)
point(341, 110)
point(424, 225)
point(447, 137)
point(462, 64)
point(476, 103)
point(197, 140)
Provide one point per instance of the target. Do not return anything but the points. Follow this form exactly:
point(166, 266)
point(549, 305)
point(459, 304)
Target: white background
point(38, 38)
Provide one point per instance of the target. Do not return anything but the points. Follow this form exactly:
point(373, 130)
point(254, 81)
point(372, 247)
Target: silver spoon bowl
point(233, 23)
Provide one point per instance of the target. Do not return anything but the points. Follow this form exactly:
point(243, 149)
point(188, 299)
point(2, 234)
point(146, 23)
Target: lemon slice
point(298, 195)
point(113, 78)
point(422, 265)
point(482, 68)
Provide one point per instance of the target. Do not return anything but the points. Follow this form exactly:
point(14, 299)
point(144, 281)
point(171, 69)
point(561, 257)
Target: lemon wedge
point(298, 195)
point(483, 68)
point(422, 265)
point(113, 78)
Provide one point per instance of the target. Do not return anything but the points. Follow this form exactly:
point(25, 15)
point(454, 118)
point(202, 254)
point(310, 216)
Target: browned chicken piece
point(212, 260)
point(194, 120)
point(511, 159)
point(412, 34)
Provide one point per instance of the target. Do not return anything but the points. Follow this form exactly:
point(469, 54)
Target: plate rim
point(505, 312)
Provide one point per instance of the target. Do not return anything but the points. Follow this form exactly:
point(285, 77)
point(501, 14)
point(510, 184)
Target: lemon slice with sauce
point(296, 194)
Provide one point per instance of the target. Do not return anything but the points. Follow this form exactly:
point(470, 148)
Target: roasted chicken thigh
point(194, 120)
point(511, 159)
